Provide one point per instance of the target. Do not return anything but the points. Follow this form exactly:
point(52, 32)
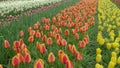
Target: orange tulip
point(78, 56)
point(23, 46)
point(38, 34)
point(54, 20)
point(86, 39)
point(36, 26)
point(64, 58)
point(69, 64)
point(66, 32)
point(63, 42)
point(44, 38)
point(41, 47)
point(15, 61)
point(73, 31)
point(21, 34)
point(39, 63)
point(59, 41)
point(29, 29)
point(69, 47)
point(27, 58)
point(16, 44)
point(6, 44)
point(31, 39)
point(32, 33)
point(76, 36)
point(20, 57)
point(74, 50)
point(1, 66)
point(82, 44)
point(21, 42)
point(49, 41)
point(51, 58)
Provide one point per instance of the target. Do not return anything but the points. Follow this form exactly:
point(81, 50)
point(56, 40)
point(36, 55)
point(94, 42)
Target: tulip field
point(60, 34)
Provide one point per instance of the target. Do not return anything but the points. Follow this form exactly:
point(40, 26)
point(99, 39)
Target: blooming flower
point(6, 44)
point(49, 41)
point(39, 63)
point(15, 61)
point(98, 58)
point(21, 34)
point(51, 58)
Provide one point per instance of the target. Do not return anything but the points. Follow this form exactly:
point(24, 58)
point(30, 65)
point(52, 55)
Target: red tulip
point(66, 32)
point(20, 57)
point(63, 42)
point(32, 33)
point(86, 39)
point(65, 58)
point(27, 58)
point(21, 34)
point(74, 50)
point(36, 26)
point(69, 47)
point(69, 64)
point(29, 29)
point(39, 63)
point(76, 36)
point(59, 41)
point(6, 44)
point(49, 41)
point(15, 61)
point(31, 39)
point(41, 47)
point(54, 20)
point(16, 44)
point(78, 56)
point(82, 44)
point(51, 58)
point(38, 34)
point(44, 38)
point(21, 42)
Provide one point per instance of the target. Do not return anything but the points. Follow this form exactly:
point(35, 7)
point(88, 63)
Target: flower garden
point(60, 34)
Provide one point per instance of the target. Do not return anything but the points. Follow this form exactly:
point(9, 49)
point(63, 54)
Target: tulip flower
point(44, 38)
point(16, 44)
point(21, 34)
point(111, 64)
point(38, 34)
point(82, 44)
point(54, 20)
point(32, 33)
point(15, 61)
point(6, 44)
point(1, 66)
point(63, 42)
point(27, 58)
point(31, 39)
point(98, 51)
point(49, 41)
point(98, 58)
point(66, 32)
point(39, 63)
point(78, 56)
point(69, 64)
point(51, 58)
point(29, 29)
point(41, 48)
point(118, 60)
point(76, 36)
point(21, 42)
point(98, 66)
point(20, 57)
point(36, 25)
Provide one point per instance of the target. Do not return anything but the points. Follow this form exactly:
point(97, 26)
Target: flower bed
point(55, 41)
point(8, 8)
point(108, 38)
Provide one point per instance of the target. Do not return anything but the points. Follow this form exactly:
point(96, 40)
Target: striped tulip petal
point(51, 58)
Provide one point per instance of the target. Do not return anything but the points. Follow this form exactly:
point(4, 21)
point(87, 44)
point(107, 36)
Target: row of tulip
point(17, 7)
point(70, 23)
point(108, 35)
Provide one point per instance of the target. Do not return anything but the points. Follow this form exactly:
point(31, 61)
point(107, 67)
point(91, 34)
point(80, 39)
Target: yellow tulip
point(98, 58)
point(111, 64)
point(98, 51)
point(108, 45)
point(118, 60)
